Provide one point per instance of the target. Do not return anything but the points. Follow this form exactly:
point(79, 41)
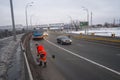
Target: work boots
point(45, 64)
point(40, 63)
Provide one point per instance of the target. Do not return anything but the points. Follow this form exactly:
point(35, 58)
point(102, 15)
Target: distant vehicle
point(37, 34)
point(64, 40)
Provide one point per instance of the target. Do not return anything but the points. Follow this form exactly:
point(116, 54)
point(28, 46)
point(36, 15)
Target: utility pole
point(114, 22)
point(13, 23)
point(119, 22)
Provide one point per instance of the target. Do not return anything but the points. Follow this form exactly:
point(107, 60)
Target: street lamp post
point(87, 14)
point(31, 17)
point(71, 22)
point(91, 19)
point(13, 23)
point(29, 4)
point(84, 8)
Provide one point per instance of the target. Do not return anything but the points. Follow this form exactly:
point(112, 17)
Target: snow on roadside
point(101, 31)
point(7, 51)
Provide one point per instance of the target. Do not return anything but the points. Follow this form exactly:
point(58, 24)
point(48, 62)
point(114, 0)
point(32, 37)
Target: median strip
point(98, 39)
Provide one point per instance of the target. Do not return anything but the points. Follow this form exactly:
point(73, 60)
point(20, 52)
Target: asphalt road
point(82, 60)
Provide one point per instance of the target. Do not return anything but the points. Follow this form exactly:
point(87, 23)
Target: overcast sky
point(56, 11)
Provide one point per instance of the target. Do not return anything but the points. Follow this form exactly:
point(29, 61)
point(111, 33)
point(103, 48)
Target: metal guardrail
point(26, 67)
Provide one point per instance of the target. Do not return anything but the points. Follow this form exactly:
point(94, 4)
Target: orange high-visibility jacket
point(40, 48)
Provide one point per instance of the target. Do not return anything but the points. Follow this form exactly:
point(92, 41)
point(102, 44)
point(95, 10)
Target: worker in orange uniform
point(42, 53)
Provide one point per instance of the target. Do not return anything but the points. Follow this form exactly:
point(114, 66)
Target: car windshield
point(64, 37)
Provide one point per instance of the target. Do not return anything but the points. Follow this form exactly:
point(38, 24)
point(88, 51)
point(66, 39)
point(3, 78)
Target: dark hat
point(36, 44)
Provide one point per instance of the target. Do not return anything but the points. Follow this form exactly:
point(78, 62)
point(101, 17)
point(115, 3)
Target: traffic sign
point(83, 24)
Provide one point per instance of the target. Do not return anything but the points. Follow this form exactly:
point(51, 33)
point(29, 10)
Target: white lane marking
point(118, 54)
point(93, 62)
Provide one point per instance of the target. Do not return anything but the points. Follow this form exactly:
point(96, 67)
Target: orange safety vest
point(45, 55)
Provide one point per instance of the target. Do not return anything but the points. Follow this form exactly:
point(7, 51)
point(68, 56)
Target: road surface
point(82, 60)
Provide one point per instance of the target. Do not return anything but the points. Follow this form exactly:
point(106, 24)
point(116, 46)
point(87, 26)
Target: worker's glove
point(42, 55)
point(38, 55)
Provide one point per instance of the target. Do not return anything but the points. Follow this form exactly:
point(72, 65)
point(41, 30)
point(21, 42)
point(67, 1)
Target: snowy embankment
point(9, 54)
point(101, 31)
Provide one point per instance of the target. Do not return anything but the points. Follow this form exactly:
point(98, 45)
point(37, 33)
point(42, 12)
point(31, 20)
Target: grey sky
point(55, 11)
